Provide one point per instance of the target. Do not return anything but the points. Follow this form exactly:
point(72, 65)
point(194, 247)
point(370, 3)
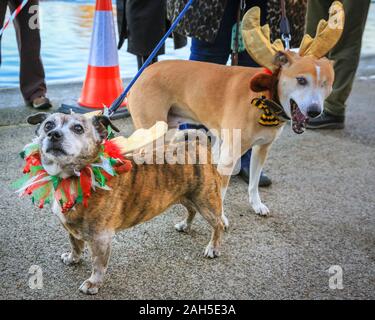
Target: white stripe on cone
point(103, 43)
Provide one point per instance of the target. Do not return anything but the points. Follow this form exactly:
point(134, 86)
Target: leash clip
point(284, 26)
point(286, 39)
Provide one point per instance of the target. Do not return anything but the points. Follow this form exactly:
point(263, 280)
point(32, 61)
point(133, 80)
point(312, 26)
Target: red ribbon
point(32, 160)
point(267, 71)
point(112, 150)
point(85, 180)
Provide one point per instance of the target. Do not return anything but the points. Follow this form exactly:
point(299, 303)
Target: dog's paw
point(87, 287)
point(211, 252)
point(225, 222)
point(260, 209)
point(68, 259)
point(182, 226)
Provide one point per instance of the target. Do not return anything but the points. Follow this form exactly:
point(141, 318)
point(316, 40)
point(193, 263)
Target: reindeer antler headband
point(259, 46)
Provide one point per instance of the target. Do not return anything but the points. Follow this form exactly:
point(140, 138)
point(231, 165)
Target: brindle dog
point(70, 142)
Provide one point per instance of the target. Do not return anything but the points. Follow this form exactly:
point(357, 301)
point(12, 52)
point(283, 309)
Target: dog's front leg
point(100, 248)
point(258, 157)
point(226, 167)
point(74, 255)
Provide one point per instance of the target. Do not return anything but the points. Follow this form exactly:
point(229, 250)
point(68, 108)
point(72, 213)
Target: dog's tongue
point(298, 121)
point(299, 117)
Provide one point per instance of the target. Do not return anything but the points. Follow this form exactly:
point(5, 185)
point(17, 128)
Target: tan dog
point(68, 143)
point(219, 97)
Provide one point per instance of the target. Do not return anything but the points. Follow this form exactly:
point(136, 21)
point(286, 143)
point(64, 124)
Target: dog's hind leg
point(185, 225)
point(100, 248)
point(210, 207)
point(74, 255)
point(258, 157)
point(214, 219)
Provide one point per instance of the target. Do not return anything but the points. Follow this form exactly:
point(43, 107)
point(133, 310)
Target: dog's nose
point(314, 111)
point(55, 135)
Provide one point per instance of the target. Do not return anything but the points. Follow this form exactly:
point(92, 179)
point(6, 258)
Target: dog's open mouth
point(56, 151)
point(298, 119)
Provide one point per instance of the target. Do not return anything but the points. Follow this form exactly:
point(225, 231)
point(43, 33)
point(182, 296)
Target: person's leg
point(3, 9)
point(316, 10)
point(346, 55)
point(142, 59)
point(219, 50)
point(32, 77)
point(245, 60)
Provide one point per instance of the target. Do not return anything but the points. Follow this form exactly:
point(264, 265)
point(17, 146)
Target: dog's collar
point(44, 188)
point(273, 112)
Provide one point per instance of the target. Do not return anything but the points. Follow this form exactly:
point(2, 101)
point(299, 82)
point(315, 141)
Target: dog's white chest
point(56, 209)
point(268, 136)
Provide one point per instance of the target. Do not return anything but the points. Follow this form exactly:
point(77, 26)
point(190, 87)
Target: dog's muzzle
point(54, 147)
point(55, 135)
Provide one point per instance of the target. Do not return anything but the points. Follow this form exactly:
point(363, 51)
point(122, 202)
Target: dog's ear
point(283, 58)
point(101, 124)
point(261, 82)
point(37, 118)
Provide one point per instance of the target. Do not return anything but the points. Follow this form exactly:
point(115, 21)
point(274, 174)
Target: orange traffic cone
point(103, 82)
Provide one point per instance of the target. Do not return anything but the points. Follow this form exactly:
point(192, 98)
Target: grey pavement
point(322, 205)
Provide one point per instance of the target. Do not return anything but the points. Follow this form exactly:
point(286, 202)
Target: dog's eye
point(301, 81)
point(77, 128)
point(49, 126)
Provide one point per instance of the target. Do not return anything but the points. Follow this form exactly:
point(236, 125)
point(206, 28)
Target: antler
point(327, 33)
point(259, 46)
point(257, 39)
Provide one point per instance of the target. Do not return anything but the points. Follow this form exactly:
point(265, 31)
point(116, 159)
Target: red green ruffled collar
point(44, 188)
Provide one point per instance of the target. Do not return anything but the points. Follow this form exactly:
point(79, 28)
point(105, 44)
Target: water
point(66, 34)
point(66, 28)
point(368, 44)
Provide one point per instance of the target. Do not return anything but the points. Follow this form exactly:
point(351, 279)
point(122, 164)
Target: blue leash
point(117, 103)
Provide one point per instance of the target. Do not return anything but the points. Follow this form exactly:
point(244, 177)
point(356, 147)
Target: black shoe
point(326, 121)
point(264, 181)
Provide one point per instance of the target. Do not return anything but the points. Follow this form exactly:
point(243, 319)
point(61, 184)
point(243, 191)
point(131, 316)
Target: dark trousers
point(219, 51)
point(346, 53)
point(142, 59)
point(32, 77)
